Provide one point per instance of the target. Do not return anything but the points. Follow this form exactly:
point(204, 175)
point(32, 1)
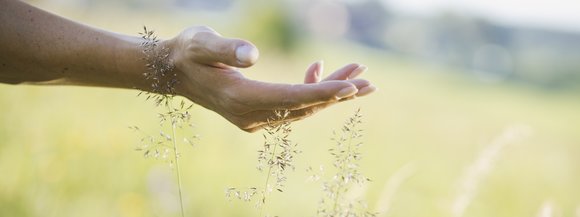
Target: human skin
point(37, 47)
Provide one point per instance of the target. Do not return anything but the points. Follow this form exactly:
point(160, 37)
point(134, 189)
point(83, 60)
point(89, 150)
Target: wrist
point(160, 70)
point(174, 59)
point(143, 63)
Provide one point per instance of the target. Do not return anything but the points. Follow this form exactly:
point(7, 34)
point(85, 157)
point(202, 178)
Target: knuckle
point(194, 35)
point(197, 29)
point(203, 28)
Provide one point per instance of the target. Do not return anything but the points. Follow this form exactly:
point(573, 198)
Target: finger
point(264, 118)
point(349, 71)
point(314, 72)
point(259, 119)
point(299, 114)
point(268, 96)
point(210, 48)
point(366, 90)
point(359, 83)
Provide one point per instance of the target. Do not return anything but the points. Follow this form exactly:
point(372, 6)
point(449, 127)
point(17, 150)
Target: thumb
point(213, 49)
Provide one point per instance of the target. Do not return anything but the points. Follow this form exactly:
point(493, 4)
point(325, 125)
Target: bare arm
point(41, 48)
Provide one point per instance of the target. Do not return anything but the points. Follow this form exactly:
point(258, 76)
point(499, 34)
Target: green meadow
point(437, 142)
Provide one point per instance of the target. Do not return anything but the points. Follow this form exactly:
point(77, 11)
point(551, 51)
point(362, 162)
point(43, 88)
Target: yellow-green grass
point(67, 151)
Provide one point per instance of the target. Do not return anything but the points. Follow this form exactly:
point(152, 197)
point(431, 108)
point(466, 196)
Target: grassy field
point(432, 135)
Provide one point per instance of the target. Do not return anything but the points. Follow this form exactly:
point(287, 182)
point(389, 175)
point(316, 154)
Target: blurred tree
point(368, 22)
point(273, 26)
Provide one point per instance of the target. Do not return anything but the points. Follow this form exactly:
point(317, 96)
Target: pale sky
point(560, 14)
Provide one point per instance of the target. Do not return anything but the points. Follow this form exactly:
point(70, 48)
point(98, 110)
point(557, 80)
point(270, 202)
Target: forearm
point(42, 48)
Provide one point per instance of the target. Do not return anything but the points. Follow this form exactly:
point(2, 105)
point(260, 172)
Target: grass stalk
point(176, 159)
point(265, 189)
point(340, 187)
point(177, 172)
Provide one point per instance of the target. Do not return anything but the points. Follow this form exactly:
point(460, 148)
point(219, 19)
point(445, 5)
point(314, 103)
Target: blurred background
point(477, 113)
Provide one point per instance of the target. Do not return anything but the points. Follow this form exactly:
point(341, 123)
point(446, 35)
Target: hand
point(206, 66)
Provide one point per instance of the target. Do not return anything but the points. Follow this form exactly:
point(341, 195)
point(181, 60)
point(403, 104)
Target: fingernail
point(318, 72)
point(356, 72)
point(346, 92)
point(366, 90)
point(247, 54)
